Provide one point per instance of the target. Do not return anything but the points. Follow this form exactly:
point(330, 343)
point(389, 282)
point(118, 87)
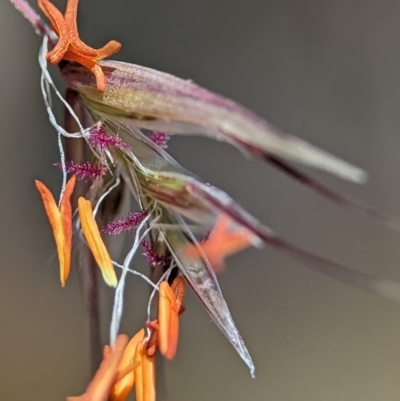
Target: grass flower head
point(124, 114)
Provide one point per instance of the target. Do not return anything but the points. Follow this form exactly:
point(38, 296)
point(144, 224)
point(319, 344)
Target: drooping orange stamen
point(149, 376)
point(66, 217)
point(178, 287)
point(122, 387)
point(100, 386)
point(168, 321)
point(61, 223)
point(145, 375)
point(69, 46)
point(95, 242)
point(221, 243)
point(152, 342)
point(170, 340)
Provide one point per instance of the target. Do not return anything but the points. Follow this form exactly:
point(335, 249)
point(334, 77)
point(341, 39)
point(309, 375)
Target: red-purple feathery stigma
point(153, 259)
point(160, 138)
point(128, 223)
point(84, 171)
point(99, 139)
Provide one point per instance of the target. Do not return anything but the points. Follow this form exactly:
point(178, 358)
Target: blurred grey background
point(325, 71)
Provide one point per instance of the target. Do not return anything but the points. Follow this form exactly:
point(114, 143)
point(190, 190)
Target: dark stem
point(76, 150)
point(90, 293)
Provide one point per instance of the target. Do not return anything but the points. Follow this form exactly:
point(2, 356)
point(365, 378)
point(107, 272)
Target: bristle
point(99, 139)
point(128, 223)
point(153, 259)
point(160, 138)
point(84, 171)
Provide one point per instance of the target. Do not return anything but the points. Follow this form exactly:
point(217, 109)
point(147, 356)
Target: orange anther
point(95, 242)
point(125, 378)
point(166, 319)
point(145, 375)
point(152, 342)
point(100, 386)
point(168, 322)
point(178, 287)
point(221, 243)
point(61, 223)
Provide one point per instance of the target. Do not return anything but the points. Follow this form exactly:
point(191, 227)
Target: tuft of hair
point(84, 171)
point(161, 139)
point(152, 257)
point(98, 138)
point(128, 223)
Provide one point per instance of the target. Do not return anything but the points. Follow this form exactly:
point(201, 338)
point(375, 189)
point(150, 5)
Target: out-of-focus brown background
point(325, 71)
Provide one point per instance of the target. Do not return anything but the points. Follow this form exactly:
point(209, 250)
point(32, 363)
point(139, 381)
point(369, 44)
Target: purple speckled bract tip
point(154, 100)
